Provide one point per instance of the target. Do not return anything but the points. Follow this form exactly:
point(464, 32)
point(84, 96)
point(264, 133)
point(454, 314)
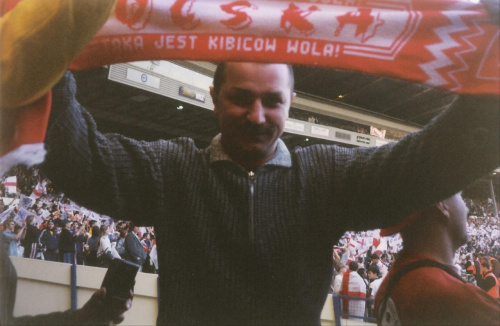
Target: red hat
point(399, 227)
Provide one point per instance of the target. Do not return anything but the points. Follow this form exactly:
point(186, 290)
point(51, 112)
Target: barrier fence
point(356, 314)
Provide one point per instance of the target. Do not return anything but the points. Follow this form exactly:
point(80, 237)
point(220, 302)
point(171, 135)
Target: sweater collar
point(281, 157)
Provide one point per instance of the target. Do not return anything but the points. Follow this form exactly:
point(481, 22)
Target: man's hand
point(99, 310)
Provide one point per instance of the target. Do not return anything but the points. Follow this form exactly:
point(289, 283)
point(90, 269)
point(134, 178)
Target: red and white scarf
point(351, 286)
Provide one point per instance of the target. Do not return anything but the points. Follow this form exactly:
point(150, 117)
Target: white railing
point(44, 287)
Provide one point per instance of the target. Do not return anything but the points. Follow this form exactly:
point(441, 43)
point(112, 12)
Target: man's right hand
point(98, 310)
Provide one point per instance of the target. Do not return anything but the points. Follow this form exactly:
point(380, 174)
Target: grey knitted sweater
point(240, 247)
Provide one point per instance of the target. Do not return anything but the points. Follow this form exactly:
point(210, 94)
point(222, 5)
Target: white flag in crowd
point(39, 190)
point(25, 202)
point(21, 216)
point(5, 214)
point(10, 184)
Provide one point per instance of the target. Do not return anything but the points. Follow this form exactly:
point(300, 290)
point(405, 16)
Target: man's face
point(252, 106)
point(371, 275)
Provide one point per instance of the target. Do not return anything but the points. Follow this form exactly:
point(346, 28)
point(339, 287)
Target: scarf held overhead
point(453, 45)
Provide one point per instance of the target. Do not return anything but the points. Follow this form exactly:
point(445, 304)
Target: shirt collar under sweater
point(281, 156)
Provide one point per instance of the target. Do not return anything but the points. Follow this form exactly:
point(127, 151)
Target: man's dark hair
point(374, 269)
point(375, 256)
point(96, 231)
point(353, 266)
point(220, 77)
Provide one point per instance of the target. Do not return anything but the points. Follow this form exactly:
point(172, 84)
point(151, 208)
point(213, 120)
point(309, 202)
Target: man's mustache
point(255, 128)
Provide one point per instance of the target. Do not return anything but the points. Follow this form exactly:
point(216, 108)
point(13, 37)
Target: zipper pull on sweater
point(251, 177)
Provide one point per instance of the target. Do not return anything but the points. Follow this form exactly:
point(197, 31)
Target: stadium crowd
point(40, 223)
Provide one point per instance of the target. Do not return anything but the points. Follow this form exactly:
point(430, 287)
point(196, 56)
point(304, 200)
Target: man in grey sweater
point(246, 227)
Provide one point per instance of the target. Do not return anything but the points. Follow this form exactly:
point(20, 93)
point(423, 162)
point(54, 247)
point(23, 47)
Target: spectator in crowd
point(495, 266)
point(146, 242)
point(385, 262)
point(78, 232)
point(134, 251)
point(470, 268)
point(368, 257)
point(120, 243)
point(92, 223)
point(76, 216)
point(93, 243)
point(362, 272)
point(105, 251)
point(477, 269)
point(336, 261)
point(381, 267)
point(344, 258)
point(71, 241)
point(113, 234)
point(353, 285)
point(154, 257)
point(489, 282)
point(337, 282)
point(66, 243)
point(49, 240)
point(375, 260)
point(247, 223)
point(12, 236)
point(374, 281)
point(30, 241)
point(423, 287)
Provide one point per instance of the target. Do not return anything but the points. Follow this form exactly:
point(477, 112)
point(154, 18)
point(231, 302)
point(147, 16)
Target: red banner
point(452, 45)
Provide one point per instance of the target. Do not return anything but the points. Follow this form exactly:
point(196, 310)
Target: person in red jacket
point(423, 287)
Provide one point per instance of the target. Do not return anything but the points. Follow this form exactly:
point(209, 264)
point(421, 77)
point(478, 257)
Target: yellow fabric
point(38, 41)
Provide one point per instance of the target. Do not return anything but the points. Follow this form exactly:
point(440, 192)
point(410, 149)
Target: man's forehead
point(246, 71)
